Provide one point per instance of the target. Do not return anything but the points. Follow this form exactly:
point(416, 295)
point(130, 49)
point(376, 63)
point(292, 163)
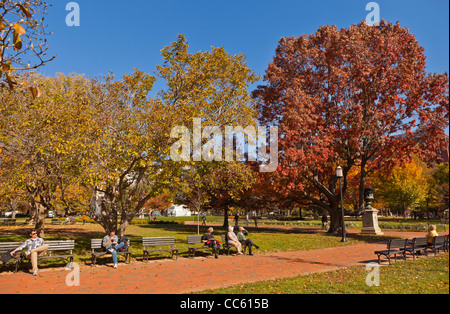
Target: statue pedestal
point(370, 222)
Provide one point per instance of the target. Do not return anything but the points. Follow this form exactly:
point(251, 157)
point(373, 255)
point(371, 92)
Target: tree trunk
point(40, 215)
point(123, 225)
point(225, 219)
point(335, 220)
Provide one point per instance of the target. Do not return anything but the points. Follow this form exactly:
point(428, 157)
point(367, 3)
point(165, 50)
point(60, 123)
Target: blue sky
point(119, 35)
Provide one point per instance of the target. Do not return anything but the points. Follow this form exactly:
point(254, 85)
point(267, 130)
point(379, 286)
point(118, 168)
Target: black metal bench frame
point(161, 243)
point(97, 244)
point(394, 247)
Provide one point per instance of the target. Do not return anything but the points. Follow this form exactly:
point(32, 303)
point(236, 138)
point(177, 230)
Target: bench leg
point(145, 256)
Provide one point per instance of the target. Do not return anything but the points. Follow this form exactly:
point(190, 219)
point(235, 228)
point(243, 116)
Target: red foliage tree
point(356, 97)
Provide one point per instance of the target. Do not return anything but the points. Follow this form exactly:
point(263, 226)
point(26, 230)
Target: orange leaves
point(358, 96)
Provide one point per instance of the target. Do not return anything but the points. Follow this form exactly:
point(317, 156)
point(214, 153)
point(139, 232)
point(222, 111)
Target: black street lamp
point(340, 175)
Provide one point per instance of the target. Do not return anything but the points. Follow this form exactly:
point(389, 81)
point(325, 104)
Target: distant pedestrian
point(204, 220)
point(236, 219)
point(84, 219)
point(324, 222)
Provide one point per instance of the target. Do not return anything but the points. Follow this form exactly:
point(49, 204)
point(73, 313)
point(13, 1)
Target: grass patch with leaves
point(427, 275)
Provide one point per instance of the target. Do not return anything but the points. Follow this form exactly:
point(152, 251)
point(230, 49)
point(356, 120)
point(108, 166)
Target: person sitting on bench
point(208, 240)
point(432, 234)
point(233, 240)
point(111, 244)
point(242, 237)
point(35, 248)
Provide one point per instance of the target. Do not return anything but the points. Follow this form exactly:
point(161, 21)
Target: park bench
point(160, 244)
point(193, 242)
point(6, 247)
point(98, 250)
point(8, 222)
point(437, 245)
point(56, 221)
point(394, 247)
point(59, 249)
point(417, 245)
point(227, 247)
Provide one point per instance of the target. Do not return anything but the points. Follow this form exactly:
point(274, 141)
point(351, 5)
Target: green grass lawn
point(424, 276)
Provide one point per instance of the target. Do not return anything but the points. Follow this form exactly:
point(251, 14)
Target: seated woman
point(432, 234)
point(233, 240)
point(209, 240)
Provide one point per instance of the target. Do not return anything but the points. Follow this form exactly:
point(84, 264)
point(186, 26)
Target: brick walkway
point(189, 275)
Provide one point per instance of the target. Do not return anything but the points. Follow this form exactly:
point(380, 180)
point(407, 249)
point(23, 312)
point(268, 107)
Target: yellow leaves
point(25, 11)
point(17, 41)
point(35, 91)
point(19, 29)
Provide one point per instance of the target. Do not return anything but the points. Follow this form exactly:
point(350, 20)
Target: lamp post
point(340, 175)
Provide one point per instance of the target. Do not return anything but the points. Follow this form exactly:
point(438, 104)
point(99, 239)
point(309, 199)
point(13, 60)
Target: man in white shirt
point(35, 248)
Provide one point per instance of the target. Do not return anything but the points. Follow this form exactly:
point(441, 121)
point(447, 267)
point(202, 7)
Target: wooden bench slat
point(161, 242)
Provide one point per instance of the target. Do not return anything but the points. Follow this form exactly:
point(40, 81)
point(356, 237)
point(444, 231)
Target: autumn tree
point(135, 163)
point(47, 141)
point(210, 87)
point(23, 46)
point(227, 182)
point(359, 98)
point(128, 164)
point(405, 188)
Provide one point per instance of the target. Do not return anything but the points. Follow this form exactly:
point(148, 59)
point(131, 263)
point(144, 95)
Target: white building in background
point(178, 211)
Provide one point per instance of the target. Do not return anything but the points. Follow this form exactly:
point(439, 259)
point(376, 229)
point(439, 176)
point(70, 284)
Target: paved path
point(189, 275)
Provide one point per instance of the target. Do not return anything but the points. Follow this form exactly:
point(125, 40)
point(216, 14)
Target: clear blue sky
point(119, 35)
